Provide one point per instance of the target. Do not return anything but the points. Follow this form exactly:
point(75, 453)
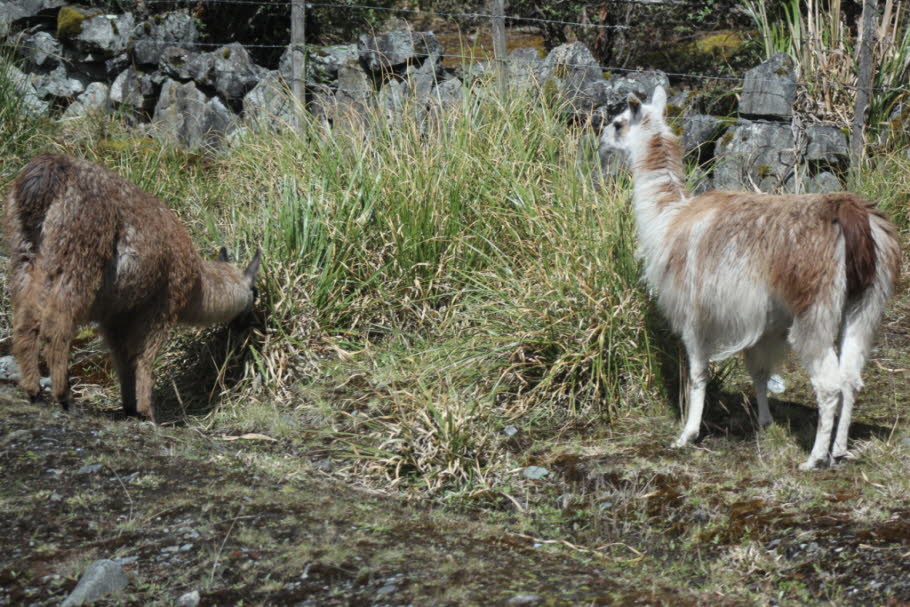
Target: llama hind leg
point(761, 359)
point(25, 349)
point(124, 364)
point(856, 341)
point(826, 379)
point(57, 330)
point(698, 381)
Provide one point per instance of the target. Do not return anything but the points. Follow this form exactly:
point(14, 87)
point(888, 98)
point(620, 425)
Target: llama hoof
point(682, 442)
point(838, 457)
point(813, 464)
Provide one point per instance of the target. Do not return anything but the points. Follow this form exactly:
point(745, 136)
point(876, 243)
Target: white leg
point(698, 381)
point(855, 343)
point(761, 360)
point(826, 379)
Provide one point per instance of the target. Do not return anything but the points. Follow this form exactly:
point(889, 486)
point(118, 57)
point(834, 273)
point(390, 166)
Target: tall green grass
point(470, 257)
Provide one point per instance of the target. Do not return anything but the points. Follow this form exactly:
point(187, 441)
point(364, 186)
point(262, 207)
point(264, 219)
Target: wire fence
point(475, 54)
point(515, 19)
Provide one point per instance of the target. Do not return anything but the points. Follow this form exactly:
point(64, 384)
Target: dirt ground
point(620, 518)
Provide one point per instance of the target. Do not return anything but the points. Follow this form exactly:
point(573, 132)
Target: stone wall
point(78, 60)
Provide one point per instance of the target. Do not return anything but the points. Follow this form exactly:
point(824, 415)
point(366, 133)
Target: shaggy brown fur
point(86, 245)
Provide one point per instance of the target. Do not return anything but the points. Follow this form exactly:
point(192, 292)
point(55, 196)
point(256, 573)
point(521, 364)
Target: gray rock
point(106, 35)
point(101, 578)
point(95, 99)
point(387, 589)
point(32, 104)
point(827, 147)
point(510, 431)
point(89, 469)
point(9, 369)
point(525, 598)
point(392, 98)
point(41, 50)
point(700, 133)
point(524, 67)
point(823, 183)
point(270, 104)
point(155, 35)
point(445, 97)
point(229, 70)
point(190, 599)
point(185, 114)
point(322, 63)
point(756, 153)
point(134, 89)
point(535, 473)
point(57, 84)
point(570, 67)
point(905, 441)
point(387, 52)
point(14, 11)
point(175, 62)
point(422, 79)
point(350, 101)
point(769, 89)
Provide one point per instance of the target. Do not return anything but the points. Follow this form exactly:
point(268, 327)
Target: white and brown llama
point(758, 274)
point(86, 245)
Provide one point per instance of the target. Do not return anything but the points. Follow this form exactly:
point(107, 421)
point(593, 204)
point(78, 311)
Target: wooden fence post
point(499, 45)
point(298, 50)
point(863, 84)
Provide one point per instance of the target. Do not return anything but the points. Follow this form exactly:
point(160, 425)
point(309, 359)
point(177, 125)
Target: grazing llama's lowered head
point(224, 292)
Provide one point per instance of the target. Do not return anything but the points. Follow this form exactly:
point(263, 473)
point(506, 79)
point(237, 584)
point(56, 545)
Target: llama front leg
point(153, 337)
point(826, 380)
point(698, 381)
point(760, 362)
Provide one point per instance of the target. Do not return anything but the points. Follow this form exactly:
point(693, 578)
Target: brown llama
point(86, 245)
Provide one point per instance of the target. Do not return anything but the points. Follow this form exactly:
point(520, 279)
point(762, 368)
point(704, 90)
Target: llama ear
point(634, 106)
point(253, 268)
point(659, 100)
point(223, 255)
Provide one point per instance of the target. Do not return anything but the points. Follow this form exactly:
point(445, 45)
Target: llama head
point(238, 290)
point(637, 123)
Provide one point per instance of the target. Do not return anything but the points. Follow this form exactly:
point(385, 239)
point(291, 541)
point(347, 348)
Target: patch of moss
point(69, 21)
point(723, 44)
point(763, 171)
point(226, 53)
point(781, 71)
point(727, 138)
point(673, 111)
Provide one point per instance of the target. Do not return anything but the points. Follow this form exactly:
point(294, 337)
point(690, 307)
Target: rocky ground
point(253, 521)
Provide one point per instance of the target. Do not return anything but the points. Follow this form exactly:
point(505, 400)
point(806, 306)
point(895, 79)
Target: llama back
point(105, 244)
point(739, 256)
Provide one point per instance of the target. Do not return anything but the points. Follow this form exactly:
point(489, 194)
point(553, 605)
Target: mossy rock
point(70, 18)
point(722, 44)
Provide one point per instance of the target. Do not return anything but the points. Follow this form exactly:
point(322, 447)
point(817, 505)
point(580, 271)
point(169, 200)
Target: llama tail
point(32, 194)
point(872, 263)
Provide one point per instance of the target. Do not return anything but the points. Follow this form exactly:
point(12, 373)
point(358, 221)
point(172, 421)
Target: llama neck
point(220, 294)
point(658, 188)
